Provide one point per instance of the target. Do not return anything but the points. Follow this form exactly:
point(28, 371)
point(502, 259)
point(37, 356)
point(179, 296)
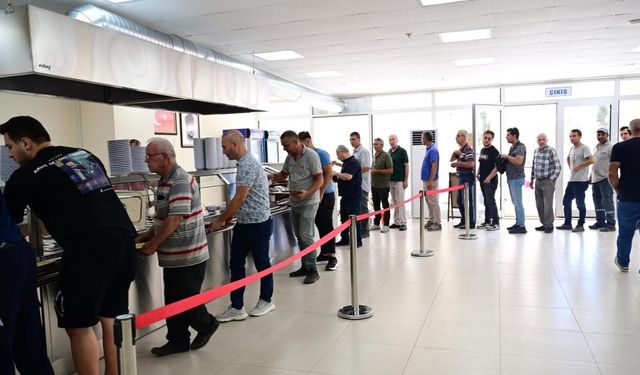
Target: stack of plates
point(198, 153)
point(138, 164)
point(7, 165)
point(119, 157)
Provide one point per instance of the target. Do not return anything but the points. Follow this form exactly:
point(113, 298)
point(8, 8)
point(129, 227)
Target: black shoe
point(394, 226)
point(518, 230)
point(312, 277)
point(332, 264)
point(540, 228)
point(342, 243)
point(202, 338)
point(608, 228)
point(402, 228)
point(548, 230)
point(167, 349)
point(596, 226)
point(565, 226)
point(514, 226)
point(323, 258)
point(365, 235)
point(299, 273)
point(459, 225)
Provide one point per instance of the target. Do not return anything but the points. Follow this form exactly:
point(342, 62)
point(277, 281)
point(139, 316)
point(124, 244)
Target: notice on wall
point(557, 91)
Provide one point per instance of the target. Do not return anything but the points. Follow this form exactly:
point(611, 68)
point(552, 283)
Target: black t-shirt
point(68, 189)
point(627, 154)
point(487, 161)
point(353, 187)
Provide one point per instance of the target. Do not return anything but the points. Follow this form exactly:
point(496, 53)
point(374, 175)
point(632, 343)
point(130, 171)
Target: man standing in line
point(624, 158)
point(429, 176)
point(22, 343)
point(324, 216)
point(381, 170)
point(350, 190)
point(302, 168)
point(68, 189)
point(579, 159)
point(544, 173)
point(625, 133)
point(252, 232)
point(465, 164)
point(399, 182)
point(364, 157)
point(600, 187)
point(488, 178)
point(515, 177)
point(178, 236)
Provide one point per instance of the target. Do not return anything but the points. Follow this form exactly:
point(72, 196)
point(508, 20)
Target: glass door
point(485, 117)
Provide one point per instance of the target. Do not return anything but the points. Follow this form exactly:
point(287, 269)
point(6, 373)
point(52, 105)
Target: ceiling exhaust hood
point(48, 53)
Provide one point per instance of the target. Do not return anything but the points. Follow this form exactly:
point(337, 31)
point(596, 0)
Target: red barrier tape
point(175, 308)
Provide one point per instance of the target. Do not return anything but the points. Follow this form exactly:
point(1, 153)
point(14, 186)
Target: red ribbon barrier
point(175, 308)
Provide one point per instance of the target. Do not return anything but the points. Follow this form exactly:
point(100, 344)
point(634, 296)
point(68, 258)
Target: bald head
point(163, 146)
point(233, 145)
point(160, 156)
point(634, 127)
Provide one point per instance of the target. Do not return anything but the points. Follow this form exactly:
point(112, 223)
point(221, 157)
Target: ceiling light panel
point(426, 3)
point(279, 55)
point(462, 36)
point(474, 61)
point(326, 74)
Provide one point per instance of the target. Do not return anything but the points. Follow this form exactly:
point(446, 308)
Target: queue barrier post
point(125, 340)
point(422, 252)
point(467, 235)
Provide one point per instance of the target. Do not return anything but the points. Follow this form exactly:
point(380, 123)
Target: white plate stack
point(210, 151)
point(199, 153)
point(138, 164)
point(119, 157)
point(7, 165)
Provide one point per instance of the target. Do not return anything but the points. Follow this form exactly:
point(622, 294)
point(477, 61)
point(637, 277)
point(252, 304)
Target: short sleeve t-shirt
point(487, 162)
point(325, 160)
point(398, 157)
point(466, 155)
point(431, 155)
point(351, 189)
point(301, 175)
point(256, 208)
point(381, 161)
point(602, 154)
point(578, 155)
point(179, 194)
point(626, 153)
point(364, 157)
point(515, 172)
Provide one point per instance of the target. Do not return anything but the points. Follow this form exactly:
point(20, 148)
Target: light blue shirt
point(256, 208)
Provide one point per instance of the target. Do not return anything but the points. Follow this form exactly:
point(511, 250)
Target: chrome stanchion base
point(348, 313)
point(423, 253)
point(470, 236)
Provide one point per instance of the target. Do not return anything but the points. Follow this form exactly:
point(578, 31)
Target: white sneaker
point(374, 227)
point(232, 314)
point(262, 308)
point(384, 229)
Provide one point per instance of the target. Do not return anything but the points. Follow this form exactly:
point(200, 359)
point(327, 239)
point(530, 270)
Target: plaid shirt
point(546, 164)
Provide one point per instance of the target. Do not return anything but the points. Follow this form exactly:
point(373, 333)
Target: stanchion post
point(125, 340)
point(421, 252)
point(467, 222)
point(355, 311)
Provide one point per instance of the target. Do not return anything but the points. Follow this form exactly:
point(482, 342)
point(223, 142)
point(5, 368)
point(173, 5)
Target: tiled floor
point(502, 304)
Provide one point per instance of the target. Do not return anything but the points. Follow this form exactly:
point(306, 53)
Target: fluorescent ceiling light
point(461, 36)
point(475, 61)
point(637, 49)
point(329, 73)
point(426, 3)
point(279, 55)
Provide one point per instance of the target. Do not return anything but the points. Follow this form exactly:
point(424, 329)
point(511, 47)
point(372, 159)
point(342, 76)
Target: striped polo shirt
point(179, 194)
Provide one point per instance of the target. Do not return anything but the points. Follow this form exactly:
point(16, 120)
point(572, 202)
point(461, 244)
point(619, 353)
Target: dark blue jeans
point(254, 239)
point(490, 207)
point(350, 206)
point(603, 201)
point(628, 224)
point(468, 178)
point(575, 190)
point(21, 334)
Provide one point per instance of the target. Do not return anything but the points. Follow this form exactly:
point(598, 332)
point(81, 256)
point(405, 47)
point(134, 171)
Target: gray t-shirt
point(579, 155)
point(301, 174)
point(256, 208)
point(600, 168)
point(364, 157)
point(516, 171)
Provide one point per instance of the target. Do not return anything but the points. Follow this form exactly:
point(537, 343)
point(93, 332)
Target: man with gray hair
point(463, 160)
point(178, 237)
point(399, 181)
point(624, 159)
point(600, 187)
point(545, 171)
point(350, 190)
point(381, 169)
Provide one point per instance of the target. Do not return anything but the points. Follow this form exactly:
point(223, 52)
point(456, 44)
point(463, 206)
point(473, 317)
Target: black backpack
point(501, 164)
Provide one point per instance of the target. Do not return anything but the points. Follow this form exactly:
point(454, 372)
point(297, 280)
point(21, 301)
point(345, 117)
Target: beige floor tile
point(609, 322)
point(460, 337)
point(529, 366)
point(618, 370)
point(377, 330)
point(544, 344)
point(398, 308)
point(311, 325)
point(615, 349)
point(464, 313)
point(355, 358)
point(254, 370)
point(443, 362)
point(279, 351)
point(535, 317)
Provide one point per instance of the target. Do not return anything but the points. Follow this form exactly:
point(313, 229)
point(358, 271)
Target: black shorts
point(94, 280)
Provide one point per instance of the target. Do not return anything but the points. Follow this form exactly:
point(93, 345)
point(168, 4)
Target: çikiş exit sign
point(557, 91)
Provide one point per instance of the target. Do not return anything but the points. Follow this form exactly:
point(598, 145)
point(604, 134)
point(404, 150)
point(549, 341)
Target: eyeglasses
point(149, 156)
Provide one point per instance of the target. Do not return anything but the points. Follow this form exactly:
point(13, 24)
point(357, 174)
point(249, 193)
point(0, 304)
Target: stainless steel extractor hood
point(48, 53)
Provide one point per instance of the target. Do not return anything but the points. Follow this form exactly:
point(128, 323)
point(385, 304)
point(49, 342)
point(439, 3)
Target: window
point(578, 90)
point(630, 87)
